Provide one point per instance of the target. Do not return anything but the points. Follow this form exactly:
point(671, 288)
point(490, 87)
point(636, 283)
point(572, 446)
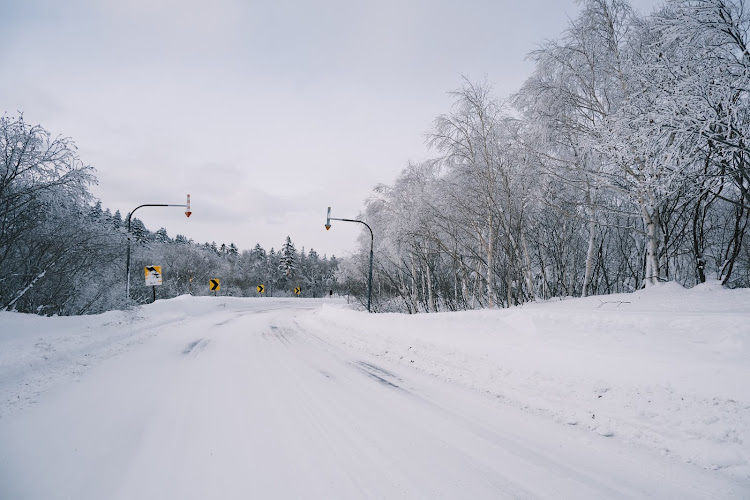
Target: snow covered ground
point(666, 368)
point(633, 395)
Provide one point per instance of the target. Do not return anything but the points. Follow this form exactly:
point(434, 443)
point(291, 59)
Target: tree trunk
point(590, 254)
point(699, 216)
point(528, 275)
point(735, 244)
point(490, 263)
point(653, 270)
point(414, 298)
point(430, 300)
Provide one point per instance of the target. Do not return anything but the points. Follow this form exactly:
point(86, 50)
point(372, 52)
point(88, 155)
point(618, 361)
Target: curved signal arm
point(130, 217)
point(372, 243)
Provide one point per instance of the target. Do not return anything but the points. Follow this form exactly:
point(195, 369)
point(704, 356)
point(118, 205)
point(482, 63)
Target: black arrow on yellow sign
point(260, 288)
point(297, 290)
point(215, 285)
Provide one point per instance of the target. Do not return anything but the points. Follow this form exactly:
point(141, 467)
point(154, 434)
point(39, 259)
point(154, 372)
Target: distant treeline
point(62, 254)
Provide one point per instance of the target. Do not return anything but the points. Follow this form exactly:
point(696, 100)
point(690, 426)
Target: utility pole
point(372, 243)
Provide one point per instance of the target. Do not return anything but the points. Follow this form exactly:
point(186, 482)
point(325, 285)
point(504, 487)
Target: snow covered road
point(239, 399)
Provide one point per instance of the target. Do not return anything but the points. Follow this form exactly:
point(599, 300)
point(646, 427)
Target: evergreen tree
point(95, 213)
point(258, 252)
point(288, 260)
point(138, 231)
point(161, 236)
point(117, 220)
point(107, 217)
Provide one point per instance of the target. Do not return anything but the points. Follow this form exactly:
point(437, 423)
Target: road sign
point(153, 275)
point(260, 289)
point(215, 284)
point(187, 207)
point(297, 290)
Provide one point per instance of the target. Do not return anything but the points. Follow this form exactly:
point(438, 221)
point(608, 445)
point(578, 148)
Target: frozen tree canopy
point(620, 163)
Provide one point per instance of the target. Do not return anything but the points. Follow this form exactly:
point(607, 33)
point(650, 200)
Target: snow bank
point(665, 368)
point(36, 352)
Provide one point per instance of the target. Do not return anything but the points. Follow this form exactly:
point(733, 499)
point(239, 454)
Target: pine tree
point(138, 231)
point(95, 213)
point(161, 235)
point(288, 260)
point(117, 220)
point(259, 253)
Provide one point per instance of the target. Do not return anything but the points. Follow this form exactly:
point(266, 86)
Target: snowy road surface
point(244, 401)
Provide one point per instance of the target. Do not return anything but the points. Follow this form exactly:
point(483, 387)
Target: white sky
point(265, 112)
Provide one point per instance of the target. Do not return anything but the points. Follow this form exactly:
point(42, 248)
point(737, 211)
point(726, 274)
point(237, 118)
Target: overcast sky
point(265, 112)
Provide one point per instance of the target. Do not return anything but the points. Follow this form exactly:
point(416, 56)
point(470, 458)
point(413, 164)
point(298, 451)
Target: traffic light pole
point(372, 243)
point(127, 260)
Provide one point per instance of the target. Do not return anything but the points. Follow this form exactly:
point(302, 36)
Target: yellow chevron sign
point(298, 290)
point(214, 284)
point(260, 289)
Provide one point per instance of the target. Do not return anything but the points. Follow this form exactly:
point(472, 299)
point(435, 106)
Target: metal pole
point(372, 244)
point(127, 260)
point(127, 268)
point(369, 288)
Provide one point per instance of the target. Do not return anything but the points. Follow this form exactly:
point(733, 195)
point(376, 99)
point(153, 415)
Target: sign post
point(214, 285)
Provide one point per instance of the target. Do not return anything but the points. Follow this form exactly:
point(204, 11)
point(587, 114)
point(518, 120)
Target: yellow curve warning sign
point(153, 275)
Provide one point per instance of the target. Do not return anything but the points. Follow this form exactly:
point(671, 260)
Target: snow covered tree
point(161, 236)
point(43, 195)
point(138, 231)
point(699, 63)
point(478, 145)
point(579, 82)
point(287, 261)
point(117, 220)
